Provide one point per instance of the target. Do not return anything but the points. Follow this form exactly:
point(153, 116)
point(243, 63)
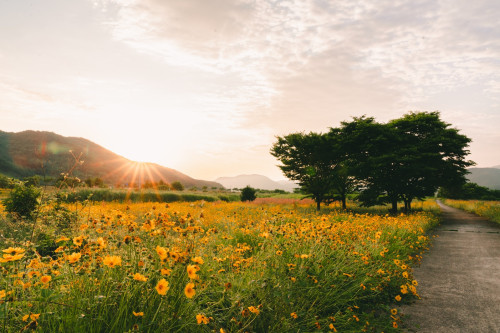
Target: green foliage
point(6, 182)
point(315, 161)
point(23, 200)
point(469, 191)
point(177, 186)
point(248, 194)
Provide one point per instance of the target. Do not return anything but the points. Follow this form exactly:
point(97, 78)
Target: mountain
point(48, 154)
point(487, 177)
point(256, 181)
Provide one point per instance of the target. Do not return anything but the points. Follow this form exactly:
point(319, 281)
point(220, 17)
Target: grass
point(254, 267)
point(487, 209)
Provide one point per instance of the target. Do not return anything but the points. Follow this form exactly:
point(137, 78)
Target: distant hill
point(487, 177)
point(48, 154)
point(256, 181)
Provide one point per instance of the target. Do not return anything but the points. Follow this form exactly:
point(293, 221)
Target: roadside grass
point(209, 267)
point(487, 209)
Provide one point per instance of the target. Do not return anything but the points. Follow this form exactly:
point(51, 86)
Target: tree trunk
point(344, 205)
point(394, 208)
point(318, 204)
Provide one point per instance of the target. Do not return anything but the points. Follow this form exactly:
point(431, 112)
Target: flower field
point(213, 267)
point(487, 209)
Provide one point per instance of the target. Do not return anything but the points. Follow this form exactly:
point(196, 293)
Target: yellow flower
point(253, 309)
point(397, 298)
point(162, 287)
point(112, 261)
point(162, 252)
point(414, 282)
point(394, 312)
point(32, 316)
point(45, 279)
point(62, 239)
point(332, 327)
point(404, 289)
point(78, 241)
point(2, 294)
point(202, 319)
point(198, 260)
point(101, 242)
point(293, 315)
point(189, 290)
point(138, 314)
point(191, 270)
point(279, 252)
point(73, 257)
point(15, 250)
point(405, 275)
point(140, 277)
point(165, 271)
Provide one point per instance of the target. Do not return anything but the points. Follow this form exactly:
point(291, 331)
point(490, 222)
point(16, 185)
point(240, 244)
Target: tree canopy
point(404, 159)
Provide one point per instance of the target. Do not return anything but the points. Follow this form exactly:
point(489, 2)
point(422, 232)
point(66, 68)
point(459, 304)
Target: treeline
point(469, 191)
point(399, 161)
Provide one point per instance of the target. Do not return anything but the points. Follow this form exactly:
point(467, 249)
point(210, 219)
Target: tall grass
point(487, 209)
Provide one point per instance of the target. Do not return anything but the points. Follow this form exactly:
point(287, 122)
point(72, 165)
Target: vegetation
point(405, 159)
point(248, 194)
point(23, 200)
point(487, 209)
point(469, 191)
point(209, 267)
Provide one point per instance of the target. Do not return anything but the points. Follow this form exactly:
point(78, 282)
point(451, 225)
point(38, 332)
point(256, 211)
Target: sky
point(205, 86)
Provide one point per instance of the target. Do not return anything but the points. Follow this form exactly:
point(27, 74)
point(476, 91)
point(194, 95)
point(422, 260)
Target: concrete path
point(459, 278)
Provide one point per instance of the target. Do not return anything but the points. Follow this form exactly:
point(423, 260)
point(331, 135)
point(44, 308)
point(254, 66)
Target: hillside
point(487, 177)
point(48, 154)
point(256, 181)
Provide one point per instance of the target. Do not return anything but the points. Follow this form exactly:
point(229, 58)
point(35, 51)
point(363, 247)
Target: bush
point(177, 186)
point(248, 194)
point(23, 200)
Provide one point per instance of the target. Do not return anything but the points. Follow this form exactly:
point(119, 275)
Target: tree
point(177, 186)
point(248, 194)
point(314, 161)
point(407, 158)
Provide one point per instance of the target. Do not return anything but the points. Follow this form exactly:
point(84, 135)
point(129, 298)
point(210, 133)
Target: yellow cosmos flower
point(2, 294)
point(293, 315)
point(394, 312)
point(191, 270)
point(13, 250)
point(45, 279)
point(62, 239)
point(165, 271)
point(138, 314)
point(202, 319)
point(140, 277)
point(198, 260)
point(32, 316)
point(253, 309)
point(101, 242)
point(162, 252)
point(397, 298)
point(162, 287)
point(78, 241)
point(73, 257)
point(189, 290)
point(112, 261)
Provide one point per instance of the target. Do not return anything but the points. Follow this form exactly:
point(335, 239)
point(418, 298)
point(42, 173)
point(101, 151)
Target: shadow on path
point(459, 278)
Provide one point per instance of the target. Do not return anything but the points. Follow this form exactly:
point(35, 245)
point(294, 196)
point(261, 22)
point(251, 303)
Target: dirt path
point(459, 278)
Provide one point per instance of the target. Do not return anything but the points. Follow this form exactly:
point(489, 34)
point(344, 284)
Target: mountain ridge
point(256, 181)
point(46, 153)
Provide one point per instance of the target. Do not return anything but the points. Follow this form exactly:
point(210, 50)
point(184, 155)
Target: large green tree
point(315, 162)
point(407, 158)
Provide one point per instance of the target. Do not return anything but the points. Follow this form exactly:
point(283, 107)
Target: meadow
point(266, 266)
point(487, 209)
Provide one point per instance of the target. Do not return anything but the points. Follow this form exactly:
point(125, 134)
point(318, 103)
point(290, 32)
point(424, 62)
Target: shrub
point(23, 200)
point(177, 186)
point(248, 194)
